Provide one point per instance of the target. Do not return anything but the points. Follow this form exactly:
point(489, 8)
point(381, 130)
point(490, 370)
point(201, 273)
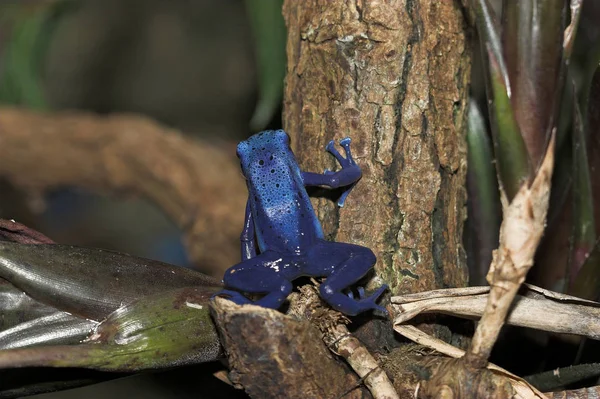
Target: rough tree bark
point(393, 76)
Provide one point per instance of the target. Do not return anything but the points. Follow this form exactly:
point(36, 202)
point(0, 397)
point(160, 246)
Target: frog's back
point(284, 218)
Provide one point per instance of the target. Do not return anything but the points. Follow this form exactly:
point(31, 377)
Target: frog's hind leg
point(260, 274)
point(352, 263)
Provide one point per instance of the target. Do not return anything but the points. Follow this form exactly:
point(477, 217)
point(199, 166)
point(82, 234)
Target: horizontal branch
point(533, 308)
point(197, 184)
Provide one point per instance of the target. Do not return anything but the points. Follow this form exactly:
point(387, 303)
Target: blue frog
point(282, 238)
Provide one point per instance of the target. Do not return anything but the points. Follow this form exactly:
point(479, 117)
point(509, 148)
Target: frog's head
point(268, 148)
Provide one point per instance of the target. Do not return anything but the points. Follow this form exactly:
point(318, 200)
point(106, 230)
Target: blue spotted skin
point(282, 238)
point(283, 216)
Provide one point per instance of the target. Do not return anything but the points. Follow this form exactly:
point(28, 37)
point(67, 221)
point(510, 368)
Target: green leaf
point(570, 32)
point(488, 28)
point(16, 307)
point(268, 28)
point(584, 231)
point(27, 322)
point(586, 50)
point(512, 158)
point(586, 284)
point(484, 201)
point(90, 283)
point(532, 38)
point(57, 328)
point(165, 330)
point(21, 70)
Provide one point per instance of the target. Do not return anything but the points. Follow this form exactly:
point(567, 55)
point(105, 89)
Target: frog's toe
point(379, 291)
point(370, 301)
point(361, 292)
point(342, 200)
point(350, 294)
point(330, 146)
point(233, 296)
point(345, 141)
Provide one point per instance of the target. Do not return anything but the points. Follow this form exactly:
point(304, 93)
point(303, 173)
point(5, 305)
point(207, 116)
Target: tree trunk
point(393, 75)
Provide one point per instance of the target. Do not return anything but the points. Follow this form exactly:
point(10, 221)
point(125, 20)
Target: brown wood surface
point(393, 76)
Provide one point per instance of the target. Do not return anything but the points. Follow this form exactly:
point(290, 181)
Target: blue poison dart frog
point(282, 238)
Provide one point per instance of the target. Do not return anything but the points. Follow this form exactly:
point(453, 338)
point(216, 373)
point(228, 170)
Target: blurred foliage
point(26, 31)
point(268, 28)
point(484, 202)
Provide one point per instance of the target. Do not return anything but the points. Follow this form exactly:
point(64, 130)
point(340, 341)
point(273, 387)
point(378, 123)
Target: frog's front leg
point(248, 246)
point(266, 273)
point(346, 177)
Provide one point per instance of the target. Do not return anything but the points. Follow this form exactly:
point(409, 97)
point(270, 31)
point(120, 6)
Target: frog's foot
point(345, 143)
point(350, 172)
point(346, 303)
point(370, 301)
point(344, 195)
point(233, 296)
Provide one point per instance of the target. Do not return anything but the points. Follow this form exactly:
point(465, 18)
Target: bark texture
point(392, 76)
point(274, 356)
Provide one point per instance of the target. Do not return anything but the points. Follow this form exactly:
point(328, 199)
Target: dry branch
point(583, 393)
point(197, 184)
point(535, 308)
point(524, 220)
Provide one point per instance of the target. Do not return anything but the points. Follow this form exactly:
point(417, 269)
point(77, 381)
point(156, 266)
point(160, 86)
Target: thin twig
point(341, 341)
point(362, 362)
point(520, 233)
